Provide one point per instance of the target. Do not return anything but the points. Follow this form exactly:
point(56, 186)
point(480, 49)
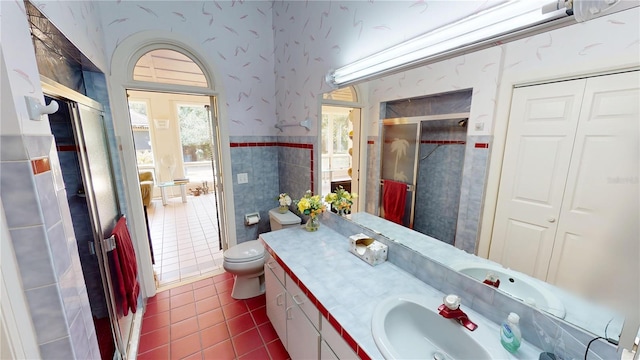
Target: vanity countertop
point(348, 289)
point(581, 313)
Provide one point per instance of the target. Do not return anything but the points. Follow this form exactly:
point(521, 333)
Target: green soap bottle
point(510, 336)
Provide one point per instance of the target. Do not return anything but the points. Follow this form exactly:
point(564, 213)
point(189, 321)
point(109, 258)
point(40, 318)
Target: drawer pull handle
point(278, 300)
point(289, 316)
point(296, 300)
point(270, 266)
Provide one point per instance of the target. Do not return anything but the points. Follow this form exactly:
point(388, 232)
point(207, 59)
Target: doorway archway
point(123, 78)
point(340, 142)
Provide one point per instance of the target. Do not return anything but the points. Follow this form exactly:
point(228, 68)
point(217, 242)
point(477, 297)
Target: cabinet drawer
point(276, 304)
point(303, 302)
point(303, 339)
point(272, 264)
point(326, 353)
point(339, 346)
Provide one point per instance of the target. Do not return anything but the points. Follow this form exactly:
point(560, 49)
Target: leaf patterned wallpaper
point(313, 37)
point(271, 57)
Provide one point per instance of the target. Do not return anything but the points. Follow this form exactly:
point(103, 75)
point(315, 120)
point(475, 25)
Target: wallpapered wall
point(310, 38)
point(271, 59)
point(236, 35)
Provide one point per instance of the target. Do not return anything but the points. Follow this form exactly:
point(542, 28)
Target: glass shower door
point(398, 160)
point(104, 208)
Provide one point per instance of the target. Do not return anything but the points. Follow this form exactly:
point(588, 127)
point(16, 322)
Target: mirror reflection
point(434, 158)
point(340, 142)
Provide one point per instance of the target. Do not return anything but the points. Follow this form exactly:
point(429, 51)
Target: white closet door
point(599, 217)
point(542, 127)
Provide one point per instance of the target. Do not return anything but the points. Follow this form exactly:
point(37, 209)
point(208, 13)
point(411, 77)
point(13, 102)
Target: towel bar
point(410, 187)
point(304, 123)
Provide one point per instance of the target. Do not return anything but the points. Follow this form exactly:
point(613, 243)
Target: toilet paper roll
point(252, 219)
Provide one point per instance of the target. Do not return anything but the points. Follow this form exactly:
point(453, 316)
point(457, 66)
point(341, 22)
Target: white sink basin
point(409, 327)
point(517, 285)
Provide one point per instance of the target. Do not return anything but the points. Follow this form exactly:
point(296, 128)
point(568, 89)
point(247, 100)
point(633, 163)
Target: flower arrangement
point(341, 200)
point(310, 204)
point(284, 199)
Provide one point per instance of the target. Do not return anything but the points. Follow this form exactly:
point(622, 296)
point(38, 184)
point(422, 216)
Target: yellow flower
point(331, 197)
point(310, 204)
point(303, 204)
point(341, 199)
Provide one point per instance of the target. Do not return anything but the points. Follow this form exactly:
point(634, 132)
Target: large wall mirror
point(565, 226)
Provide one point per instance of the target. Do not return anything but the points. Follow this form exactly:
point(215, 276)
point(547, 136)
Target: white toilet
point(246, 260)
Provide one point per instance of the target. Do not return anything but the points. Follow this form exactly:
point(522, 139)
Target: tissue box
point(368, 249)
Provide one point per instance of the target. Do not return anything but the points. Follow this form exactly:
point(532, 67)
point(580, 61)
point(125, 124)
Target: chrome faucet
point(450, 309)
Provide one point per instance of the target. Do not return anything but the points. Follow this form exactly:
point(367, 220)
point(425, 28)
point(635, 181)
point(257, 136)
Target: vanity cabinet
point(326, 353)
point(303, 331)
point(275, 297)
point(302, 337)
point(295, 319)
point(333, 346)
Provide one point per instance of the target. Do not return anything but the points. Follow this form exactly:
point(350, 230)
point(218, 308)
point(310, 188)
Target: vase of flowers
point(284, 200)
point(341, 200)
point(312, 206)
point(312, 224)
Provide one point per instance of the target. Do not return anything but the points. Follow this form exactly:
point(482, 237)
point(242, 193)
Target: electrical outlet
point(243, 178)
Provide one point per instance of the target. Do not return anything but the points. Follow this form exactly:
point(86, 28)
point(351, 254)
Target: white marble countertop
point(349, 288)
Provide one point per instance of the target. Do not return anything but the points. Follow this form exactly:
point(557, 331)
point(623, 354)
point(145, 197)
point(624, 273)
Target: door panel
point(599, 219)
point(527, 242)
point(354, 117)
point(276, 302)
point(536, 172)
point(542, 126)
point(216, 163)
point(303, 339)
point(103, 204)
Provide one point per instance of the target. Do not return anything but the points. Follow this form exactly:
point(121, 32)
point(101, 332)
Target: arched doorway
point(159, 65)
point(341, 134)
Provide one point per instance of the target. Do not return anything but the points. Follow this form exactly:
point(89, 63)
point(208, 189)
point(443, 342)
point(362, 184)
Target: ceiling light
point(487, 26)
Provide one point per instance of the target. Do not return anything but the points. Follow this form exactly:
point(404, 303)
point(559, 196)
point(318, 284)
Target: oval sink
point(409, 327)
point(516, 285)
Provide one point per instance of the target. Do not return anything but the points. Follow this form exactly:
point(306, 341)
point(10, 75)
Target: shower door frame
point(409, 121)
point(76, 101)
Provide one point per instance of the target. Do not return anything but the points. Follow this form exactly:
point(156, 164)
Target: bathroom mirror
point(429, 142)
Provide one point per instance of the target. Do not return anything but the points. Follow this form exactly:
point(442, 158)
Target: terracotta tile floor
point(202, 321)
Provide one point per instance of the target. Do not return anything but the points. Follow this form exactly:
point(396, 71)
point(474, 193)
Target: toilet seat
point(244, 252)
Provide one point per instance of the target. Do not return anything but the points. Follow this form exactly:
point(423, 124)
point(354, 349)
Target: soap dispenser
point(510, 336)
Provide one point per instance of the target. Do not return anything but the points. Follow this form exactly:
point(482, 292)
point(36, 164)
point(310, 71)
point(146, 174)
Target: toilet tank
point(282, 221)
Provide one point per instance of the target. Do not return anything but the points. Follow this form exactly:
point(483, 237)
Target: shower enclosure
point(424, 148)
point(86, 168)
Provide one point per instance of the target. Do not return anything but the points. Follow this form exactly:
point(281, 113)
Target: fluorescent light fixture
point(486, 26)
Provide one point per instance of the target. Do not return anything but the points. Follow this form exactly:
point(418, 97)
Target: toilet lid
point(246, 251)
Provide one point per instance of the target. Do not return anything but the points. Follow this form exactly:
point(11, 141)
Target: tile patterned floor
point(202, 321)
point(185, 238)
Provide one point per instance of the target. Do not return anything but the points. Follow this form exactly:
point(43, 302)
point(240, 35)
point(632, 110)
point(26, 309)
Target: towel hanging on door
point(394, 198)
point(125, 268)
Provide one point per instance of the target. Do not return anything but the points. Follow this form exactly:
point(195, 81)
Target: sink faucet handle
point(451, 301)
point(492, 279)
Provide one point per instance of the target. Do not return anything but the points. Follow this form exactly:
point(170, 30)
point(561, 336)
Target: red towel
point(394, 197)
point(125, 268)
